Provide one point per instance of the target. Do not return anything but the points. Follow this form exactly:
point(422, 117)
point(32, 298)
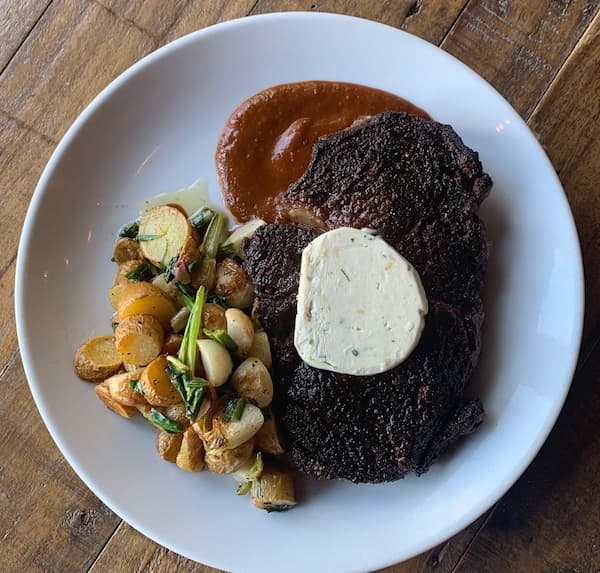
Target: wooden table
point(542, 55)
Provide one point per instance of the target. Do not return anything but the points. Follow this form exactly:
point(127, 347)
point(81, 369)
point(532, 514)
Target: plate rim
point(180, 43)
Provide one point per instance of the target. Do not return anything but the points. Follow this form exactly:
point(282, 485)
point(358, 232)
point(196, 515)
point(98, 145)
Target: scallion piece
point(136, 386)
point(188, 294)
point(164, 423)
point(170, 270)
point(212, 238)
point(188, 350)
point(201, 218)
point(129, 230)
point(216, 299)
point(145, 238)
point(226, 249)
point(222, 338)
point(234, 410)
point(142, 272)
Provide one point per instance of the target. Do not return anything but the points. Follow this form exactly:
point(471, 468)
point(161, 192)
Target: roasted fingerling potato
point(233, 284)
point(252, 381)
point(103, 392)
point(139, 339)
point(125, 250)
point(97, 359)
point(168, 445)
point(190, 457)
point(228, 461)
point(157, 386)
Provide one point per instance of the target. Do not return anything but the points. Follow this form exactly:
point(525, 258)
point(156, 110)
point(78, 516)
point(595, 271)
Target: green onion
point(188, 350)
point(136, 386)
point(354, 352)
point(177, 366)
point(129, 230)
point(188, 294)
point(142, 272)
point(170, 270)
point(164, 423)
point(234, 410)
point(222, 338)
point(212, 238)
point(244, 488)
point(201, 218)
point(281, 507)
point(216, 299)
point(145, 238)
point(225, 249)
point(193, 265)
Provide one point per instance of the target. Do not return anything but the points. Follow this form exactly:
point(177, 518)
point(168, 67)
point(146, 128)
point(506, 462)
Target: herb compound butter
point(361, 305)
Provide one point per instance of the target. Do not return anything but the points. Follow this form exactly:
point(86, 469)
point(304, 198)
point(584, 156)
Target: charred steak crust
point(420, 189)
point(412, 180)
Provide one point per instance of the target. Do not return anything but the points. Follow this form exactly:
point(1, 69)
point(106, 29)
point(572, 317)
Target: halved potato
point(103, 393)
point(261, 348)
point(268, 438)
point(229, 461)
point(252, 381)
point(139, 339)
point(121, 280)
point(146, 298)
point(168, 445)
point(275, 489)
point(191, 453)
point(118, 386)
point(177, 414)
point(228, 435)
point(213, 317)
point(172, 344)
point(163, 232)
point(97, 359)
point(233, 284)
point(158, 389)
point(126, 249)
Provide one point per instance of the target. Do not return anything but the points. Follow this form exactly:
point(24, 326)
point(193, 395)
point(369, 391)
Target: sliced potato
point(103, 393)
point(139, 339)
point(229, 461)
point(261, 348)
point(97, 359)
point(233, 284)
point(213, 317)
point(146, 298)
point(239, 327)
point(125, 250)
point(158, 389)
point(118, 386)
point(268, 439)
point(216, 361)
point(177, 414)
point(228, 435)
point(163, 232)
point(275, 489)
point(168, 445)
point(252, 381)
point(191, 453)
point(172, 344)
point(121, 280)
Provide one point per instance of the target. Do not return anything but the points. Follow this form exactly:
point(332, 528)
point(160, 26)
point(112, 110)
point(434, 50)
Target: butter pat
point(361, 305)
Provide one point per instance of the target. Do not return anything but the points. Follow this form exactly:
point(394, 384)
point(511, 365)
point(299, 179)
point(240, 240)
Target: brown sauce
point(267, 141)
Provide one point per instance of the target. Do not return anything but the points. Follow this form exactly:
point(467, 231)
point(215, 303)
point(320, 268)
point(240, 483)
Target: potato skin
point(229, 461)
point(158, 389)
point(97, 359)
point(234, 284)
point(251, 380)
point(268, 438)
point(213, 317)
point(168, 445)
point(121, 281)
point(146, 298)
point(125, 250)
point(139, 339)
point(103, 393)
point(118, 386)
point(191, 453)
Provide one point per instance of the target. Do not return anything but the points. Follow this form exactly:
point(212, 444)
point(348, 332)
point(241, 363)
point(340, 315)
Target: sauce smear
point(267, 141)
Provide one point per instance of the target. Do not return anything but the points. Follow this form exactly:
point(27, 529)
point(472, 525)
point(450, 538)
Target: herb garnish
point(143, 238)
point(164, 423)
point(129, 230)
point(354, 352)
point(234, 410)
point(136, 386)
point(222, 338)
point(142, 272)
point(201, 218)
point(345, 274)
point(216, 299)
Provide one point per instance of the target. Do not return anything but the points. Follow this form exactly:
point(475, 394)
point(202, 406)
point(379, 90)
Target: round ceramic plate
point(154, 129)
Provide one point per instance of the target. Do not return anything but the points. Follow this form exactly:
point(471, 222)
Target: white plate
point(154, 129)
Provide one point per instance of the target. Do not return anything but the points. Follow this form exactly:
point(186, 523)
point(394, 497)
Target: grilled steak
point(417, 184)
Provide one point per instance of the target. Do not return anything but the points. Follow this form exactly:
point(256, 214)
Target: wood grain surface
point(543, 56)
